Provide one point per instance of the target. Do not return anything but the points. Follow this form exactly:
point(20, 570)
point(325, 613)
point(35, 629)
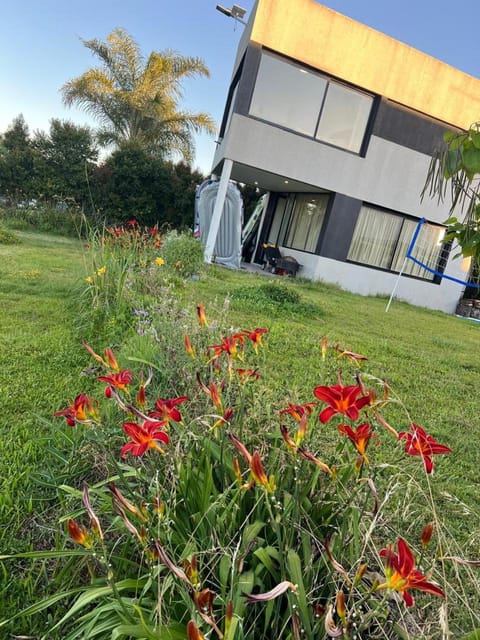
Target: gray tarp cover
point(228, 247)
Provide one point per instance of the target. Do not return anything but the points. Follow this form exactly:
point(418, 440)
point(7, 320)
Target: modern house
point(338, 122)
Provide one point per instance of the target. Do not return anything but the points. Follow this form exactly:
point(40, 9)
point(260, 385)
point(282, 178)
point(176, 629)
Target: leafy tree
point(65, 158)
point(133, 184)
point(17, 162)
point(455, 171)
point(137, 99)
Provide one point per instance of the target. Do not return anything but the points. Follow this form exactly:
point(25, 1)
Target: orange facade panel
point(331, 42)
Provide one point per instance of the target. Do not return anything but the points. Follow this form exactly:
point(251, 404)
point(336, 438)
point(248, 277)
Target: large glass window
point(381, 239)
point(304, 101)
point(303, 226)
point(287, 95)
point(344, 117)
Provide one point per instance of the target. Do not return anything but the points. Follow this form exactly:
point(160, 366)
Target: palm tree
point(137, 100)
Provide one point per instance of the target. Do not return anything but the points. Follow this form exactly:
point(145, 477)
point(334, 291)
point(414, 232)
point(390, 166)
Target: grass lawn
point(430, 360)
point(39, 360)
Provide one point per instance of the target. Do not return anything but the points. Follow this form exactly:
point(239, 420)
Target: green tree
point(133, 184)
point(455, 173)
point(65, 158)
point(137, 99)
point(17, 162)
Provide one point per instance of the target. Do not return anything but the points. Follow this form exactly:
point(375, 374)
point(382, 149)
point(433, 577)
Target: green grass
point(39, 363)
point(430, 360)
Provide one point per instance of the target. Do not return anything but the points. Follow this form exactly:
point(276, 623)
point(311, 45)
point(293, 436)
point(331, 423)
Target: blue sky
point(40, 47)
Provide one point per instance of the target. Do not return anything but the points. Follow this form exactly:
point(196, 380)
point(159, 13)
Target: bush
point(276, 298)
point(7, 237)
point(48, 219)
point(182, 253)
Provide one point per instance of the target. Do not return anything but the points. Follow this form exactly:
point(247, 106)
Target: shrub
point(7, 237)
point(182, 253)
point(276, 298)
point(45, 218)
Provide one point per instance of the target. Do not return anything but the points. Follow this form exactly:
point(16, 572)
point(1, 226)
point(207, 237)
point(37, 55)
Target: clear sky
point(40, 46)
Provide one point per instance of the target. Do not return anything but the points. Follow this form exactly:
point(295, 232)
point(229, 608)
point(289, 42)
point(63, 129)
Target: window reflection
point(287, 95)
point(296, 98)
point(344, 117)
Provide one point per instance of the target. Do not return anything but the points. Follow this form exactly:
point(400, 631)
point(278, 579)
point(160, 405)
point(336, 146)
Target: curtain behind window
point(375, 237)
point(306, 222)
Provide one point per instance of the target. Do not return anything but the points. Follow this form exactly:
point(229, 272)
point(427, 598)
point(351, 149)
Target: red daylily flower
point(401, 574)
point(143, 437)
point(82, 410)
point(311, 458)
point(214, 391)
point(79, 534)
point(324, 348)
point(256, 337)
point(427, 534)
point(342, 400)
point(245, 374)
point(167, 409)
point(118, 381)
point(202, 319)
point(255, 463)
point(299, 411)
point(227, 346)
point(188, 346)
point(419, 443)
point(193, 632)
point(343, 353)
point(111, 362)
point(359, 436)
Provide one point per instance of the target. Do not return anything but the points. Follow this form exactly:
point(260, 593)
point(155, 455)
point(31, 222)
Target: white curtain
point(382, 239)
point(306, 222)
point(375, 237)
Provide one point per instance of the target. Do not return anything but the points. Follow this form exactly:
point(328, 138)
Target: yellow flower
point(89, 280)
point(159, 261)
point(102, 271)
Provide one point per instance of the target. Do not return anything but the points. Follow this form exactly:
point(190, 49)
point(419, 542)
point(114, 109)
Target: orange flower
point(419, 443)
point(82, 410)
point(401, 574)
point(246, 374)
point(311, 458)
point(427, 534)
point(255, 463)
point(342, 400)
point(79, 534)
point(202, 319)
point(144, 437)
point(111, 364)
point(167, 409)
point(193, 632)
point(256, 337)
point(227, 346)
point(214, 391)
point(356, 357)
point(188, 346)
point(299, 411)
point(118, 381)
point(359, 436)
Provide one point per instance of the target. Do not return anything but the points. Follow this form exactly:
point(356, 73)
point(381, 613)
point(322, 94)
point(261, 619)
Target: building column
point(218, 210)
